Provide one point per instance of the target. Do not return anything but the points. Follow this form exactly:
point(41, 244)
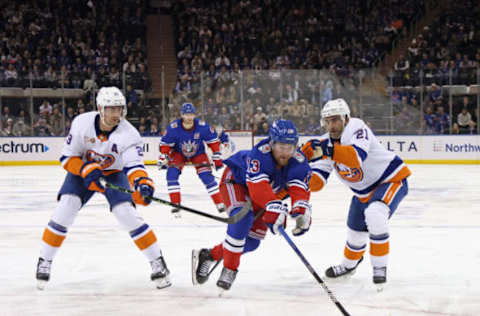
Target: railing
point(252, 99)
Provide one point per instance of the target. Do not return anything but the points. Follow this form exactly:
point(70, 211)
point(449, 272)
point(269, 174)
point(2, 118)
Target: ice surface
point(433, 270)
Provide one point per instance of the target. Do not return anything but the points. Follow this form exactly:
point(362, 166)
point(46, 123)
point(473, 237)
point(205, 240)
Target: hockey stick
point(229, 220)
point(312, 271)
point(199, 165)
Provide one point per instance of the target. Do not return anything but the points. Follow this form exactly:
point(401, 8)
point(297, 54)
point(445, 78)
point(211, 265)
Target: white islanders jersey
point(120, 149)
point(376, 164)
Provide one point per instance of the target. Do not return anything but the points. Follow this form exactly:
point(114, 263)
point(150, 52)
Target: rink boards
point(454, 149)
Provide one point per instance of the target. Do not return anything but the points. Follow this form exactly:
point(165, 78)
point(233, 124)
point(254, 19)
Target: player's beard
point(187, 124)
point(282, 159)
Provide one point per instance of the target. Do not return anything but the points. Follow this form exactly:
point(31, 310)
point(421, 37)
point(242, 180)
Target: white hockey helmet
point(111, 96)
point(335, 107)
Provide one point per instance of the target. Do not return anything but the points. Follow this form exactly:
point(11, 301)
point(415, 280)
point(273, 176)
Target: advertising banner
point(413, 149)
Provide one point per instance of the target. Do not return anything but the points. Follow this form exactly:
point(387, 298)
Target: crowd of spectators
point(445, 52)
point(232, 49)
point(243, 63)
point(436, 117)
point(72, 44)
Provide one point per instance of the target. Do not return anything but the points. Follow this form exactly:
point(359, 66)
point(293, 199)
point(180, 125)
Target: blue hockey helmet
point(188, 108)
point(283, 131)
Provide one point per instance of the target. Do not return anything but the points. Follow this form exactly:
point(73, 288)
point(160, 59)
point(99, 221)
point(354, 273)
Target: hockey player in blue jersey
point(258, 175)
point(183, 142)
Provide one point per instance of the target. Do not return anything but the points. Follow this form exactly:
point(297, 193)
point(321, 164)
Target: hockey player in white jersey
point(377, 177)
point(100, 145)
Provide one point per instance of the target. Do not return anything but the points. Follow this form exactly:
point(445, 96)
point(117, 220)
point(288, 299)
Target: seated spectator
point(42, 128)
point(8, 128)
point(464, 120)
point(442, 121)
point(45, 108)
point(132, 96)
point(428, 121)
point(21, 128)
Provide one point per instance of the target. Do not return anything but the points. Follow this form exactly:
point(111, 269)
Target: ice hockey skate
point(202, 260)
point(176, 212)
point(380, 277)
point(340, 271)
point(226, 279)
point(43, 272)
point(160, 273)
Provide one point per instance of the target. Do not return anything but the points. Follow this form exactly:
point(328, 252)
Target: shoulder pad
point(300, 158)
point(201, 122)
point(174, 124)
point(264, 149)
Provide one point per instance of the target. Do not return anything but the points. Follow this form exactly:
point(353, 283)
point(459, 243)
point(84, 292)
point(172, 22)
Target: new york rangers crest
point(189, 148)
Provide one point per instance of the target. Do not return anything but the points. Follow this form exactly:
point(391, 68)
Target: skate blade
point(221, 292)
point(41, 284)
point(340, 278)
point(162, 283)
point(380, 287)
point(195, 255)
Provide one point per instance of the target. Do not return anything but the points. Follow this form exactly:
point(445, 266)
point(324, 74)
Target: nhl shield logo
point(189, 148)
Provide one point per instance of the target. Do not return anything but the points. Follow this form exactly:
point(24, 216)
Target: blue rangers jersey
point(257, 170)
point(189, 142)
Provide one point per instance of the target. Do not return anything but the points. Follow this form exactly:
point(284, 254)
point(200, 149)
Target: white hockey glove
point(163, 160)
point(302, 213)
point(275, 215)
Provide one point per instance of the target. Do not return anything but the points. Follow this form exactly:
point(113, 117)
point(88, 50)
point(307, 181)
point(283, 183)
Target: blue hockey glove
point(325, 145)
point(143, 191)
point(91, 172)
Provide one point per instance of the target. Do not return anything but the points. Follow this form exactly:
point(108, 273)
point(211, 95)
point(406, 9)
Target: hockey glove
point(322, 148)
point(91, 172)
point(217, 160)
point(143, 191)
point(163, 160)
point(275, 215)
point(302, 213)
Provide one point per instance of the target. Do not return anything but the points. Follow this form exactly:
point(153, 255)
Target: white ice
point(433, 270)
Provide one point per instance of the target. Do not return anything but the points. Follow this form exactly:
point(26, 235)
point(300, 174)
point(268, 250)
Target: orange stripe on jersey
point(282, 194)
point(73, 165)
point(316, 183)
point(353, 255)
point(379, 249)
point(146, 240)
point(109, 172)
point(52, 239)
point(402, 174)
point(367, 198)
point(346, 155)
point(391, 191)
point(136, 174)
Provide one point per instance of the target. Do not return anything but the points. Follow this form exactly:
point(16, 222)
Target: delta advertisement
point(413, 149)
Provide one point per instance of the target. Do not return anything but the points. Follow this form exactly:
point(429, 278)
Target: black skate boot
point(43, 272)
point(380, 277)
point(226, 278)
point(202, 260)
point(340, 270)
point(160, 273)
